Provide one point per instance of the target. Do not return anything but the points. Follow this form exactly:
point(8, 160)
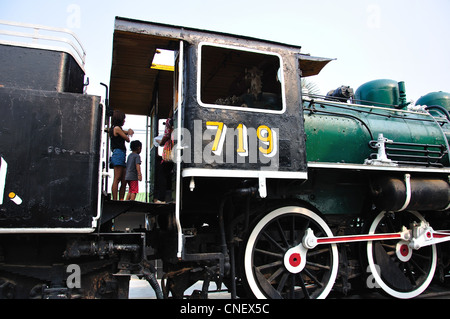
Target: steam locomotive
point(275, 192)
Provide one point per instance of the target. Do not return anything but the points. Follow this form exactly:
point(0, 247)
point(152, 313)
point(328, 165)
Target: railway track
point(139, 289)
point(434, 291)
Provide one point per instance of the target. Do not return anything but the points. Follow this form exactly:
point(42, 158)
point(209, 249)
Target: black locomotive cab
point(239, 117)
point(235, 101)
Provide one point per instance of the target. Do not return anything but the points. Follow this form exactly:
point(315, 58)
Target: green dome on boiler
point(379, 93)
point(435, 98)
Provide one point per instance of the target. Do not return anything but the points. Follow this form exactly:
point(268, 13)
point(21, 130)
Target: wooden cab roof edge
point(311, 65)
point(182, 33)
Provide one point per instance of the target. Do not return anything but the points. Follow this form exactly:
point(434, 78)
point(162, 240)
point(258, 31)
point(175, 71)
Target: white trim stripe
point(206, 172)
point(46, 230)
point(3, 169)
point(445, 170)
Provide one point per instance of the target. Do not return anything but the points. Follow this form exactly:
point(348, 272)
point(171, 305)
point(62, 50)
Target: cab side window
point(237, 78)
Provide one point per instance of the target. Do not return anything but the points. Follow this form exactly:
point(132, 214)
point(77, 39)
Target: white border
point(46, 230)
point(239, 108)
point(236, 173)
point(377, 167)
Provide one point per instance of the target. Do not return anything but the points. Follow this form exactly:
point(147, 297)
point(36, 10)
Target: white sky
point(402, 40)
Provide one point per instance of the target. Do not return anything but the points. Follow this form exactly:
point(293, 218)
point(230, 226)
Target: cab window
point(235, 78)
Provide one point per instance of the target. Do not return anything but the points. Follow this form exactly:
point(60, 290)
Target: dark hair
point(118, 118)
point(134, 145)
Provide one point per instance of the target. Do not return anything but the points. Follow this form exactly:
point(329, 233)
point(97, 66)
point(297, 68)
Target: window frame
point(239, 108)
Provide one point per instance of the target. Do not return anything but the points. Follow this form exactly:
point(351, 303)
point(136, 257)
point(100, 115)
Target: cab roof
point(133, 81)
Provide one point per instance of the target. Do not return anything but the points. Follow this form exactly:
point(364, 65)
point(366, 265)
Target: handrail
point(38, 38)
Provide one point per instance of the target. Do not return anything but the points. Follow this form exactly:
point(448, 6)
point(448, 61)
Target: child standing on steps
point(133, 174)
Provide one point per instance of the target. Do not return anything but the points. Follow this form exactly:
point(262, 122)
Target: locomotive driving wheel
point(397, 269)
point(276, 265)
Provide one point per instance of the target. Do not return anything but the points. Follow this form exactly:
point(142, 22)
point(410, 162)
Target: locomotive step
point(112, 208)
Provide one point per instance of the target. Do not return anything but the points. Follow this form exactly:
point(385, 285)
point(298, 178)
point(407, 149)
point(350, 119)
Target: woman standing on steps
point(118, 137)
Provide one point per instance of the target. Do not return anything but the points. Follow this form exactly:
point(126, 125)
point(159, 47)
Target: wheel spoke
point(417, 266)
point(273, 241)
point(316, 265)
point(266, 286)
point(410, 275)
point(269, 253)
point(293, 230)
point(270, 265)
point(282, 235)
point(310, 275)
point(316, 252)
point(292, 287)
point(303, 286)
point(282, 282)
point(277, 273)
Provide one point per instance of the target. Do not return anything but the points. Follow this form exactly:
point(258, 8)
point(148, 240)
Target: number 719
point(268, 139)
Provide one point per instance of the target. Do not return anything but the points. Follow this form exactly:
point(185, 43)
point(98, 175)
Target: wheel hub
point(295, 259)
point(403, 251)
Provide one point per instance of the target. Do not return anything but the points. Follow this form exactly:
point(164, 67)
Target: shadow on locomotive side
point(275, 192)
